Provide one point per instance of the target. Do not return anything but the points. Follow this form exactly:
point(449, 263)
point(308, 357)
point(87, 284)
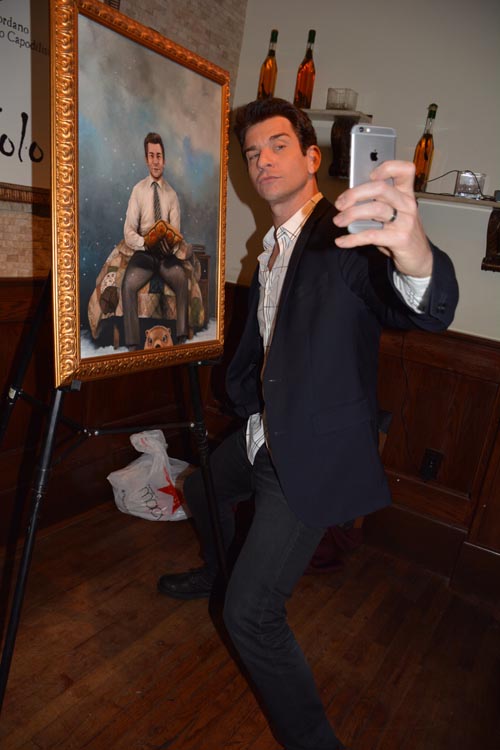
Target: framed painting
point(139, 174)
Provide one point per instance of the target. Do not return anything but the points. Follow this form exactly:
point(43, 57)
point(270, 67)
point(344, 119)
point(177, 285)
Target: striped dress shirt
point(271, 284)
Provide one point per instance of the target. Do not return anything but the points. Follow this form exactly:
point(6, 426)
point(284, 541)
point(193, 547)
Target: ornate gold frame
point(69, 365)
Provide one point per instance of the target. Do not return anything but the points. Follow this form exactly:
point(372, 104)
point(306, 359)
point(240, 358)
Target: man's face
point(279, 171)
point(155, 160)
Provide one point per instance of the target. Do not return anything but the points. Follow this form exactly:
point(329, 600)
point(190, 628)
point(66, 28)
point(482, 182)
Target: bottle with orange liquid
point(268, 70)
point(424, 152)
point(305, 76)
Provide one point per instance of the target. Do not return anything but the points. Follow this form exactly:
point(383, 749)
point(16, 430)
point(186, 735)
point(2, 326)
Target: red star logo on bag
point(169, 489)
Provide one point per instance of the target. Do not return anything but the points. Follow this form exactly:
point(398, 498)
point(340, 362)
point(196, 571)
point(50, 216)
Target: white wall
point(478, 311)
point(399, 55)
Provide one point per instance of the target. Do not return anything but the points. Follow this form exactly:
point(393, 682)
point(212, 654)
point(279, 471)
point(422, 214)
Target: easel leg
point(39, 489)
point(200, 432)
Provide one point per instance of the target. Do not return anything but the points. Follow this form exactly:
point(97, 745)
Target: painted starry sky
point(126, 91)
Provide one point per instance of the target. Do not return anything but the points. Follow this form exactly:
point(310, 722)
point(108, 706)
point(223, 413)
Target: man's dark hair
point(262, 109)
point(153, 138)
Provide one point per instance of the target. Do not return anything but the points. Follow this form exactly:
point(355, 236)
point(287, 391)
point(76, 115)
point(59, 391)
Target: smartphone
point(371, 145)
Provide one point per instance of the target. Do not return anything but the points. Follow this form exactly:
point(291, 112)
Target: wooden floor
point(103, 662)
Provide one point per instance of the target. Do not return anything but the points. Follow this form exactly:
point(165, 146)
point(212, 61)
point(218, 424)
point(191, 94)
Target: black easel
point(44, 464)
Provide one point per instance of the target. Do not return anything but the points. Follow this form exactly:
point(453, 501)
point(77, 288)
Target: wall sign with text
point(24, 100)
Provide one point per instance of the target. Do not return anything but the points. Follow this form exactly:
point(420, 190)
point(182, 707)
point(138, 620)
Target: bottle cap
point(274, 35)
point(311, 37)
point(432, 110)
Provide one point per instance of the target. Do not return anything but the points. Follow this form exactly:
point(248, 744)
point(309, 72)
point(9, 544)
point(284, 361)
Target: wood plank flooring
point(104, 662)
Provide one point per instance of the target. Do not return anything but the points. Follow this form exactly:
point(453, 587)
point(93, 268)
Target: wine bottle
point(424, 152)
point(268, 70)
point(305, 76)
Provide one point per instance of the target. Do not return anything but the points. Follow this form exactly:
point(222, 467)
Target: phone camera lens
point(361, 130)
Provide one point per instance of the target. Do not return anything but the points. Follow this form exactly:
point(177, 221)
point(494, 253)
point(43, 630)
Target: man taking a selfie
point(304, 378)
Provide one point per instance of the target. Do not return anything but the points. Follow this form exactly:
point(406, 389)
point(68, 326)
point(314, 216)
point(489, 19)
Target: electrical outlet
point(430, 464)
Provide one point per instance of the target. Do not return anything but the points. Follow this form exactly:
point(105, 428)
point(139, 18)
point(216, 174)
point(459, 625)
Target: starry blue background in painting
point(125, 91)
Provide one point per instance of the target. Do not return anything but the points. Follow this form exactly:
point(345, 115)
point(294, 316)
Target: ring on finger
point(393, 217)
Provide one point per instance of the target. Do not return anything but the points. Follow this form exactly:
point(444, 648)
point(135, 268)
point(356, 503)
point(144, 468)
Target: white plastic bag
point(147, 486)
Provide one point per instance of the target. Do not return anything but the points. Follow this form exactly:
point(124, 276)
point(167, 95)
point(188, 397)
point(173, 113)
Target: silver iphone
point(371, 145)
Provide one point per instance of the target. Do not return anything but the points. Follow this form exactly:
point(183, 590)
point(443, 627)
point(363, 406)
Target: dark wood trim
point(477, 573)
point(449, 506)
point(456, 352)
point(485, 529)
point(23, 194)
point(414, 536)
point(19, 298)
point(471, 570)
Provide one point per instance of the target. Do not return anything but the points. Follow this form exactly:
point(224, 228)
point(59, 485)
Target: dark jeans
point(141, 267)
point(275, 553)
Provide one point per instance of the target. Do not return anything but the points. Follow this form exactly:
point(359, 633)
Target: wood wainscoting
point(444, 396)
point(78, 477)
point(442, 391)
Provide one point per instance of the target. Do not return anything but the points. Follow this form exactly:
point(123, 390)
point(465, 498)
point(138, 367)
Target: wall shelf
point(449, 198)
point(329, 115)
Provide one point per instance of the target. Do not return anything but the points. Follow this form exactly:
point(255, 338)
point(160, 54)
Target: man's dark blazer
point(319, 383)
